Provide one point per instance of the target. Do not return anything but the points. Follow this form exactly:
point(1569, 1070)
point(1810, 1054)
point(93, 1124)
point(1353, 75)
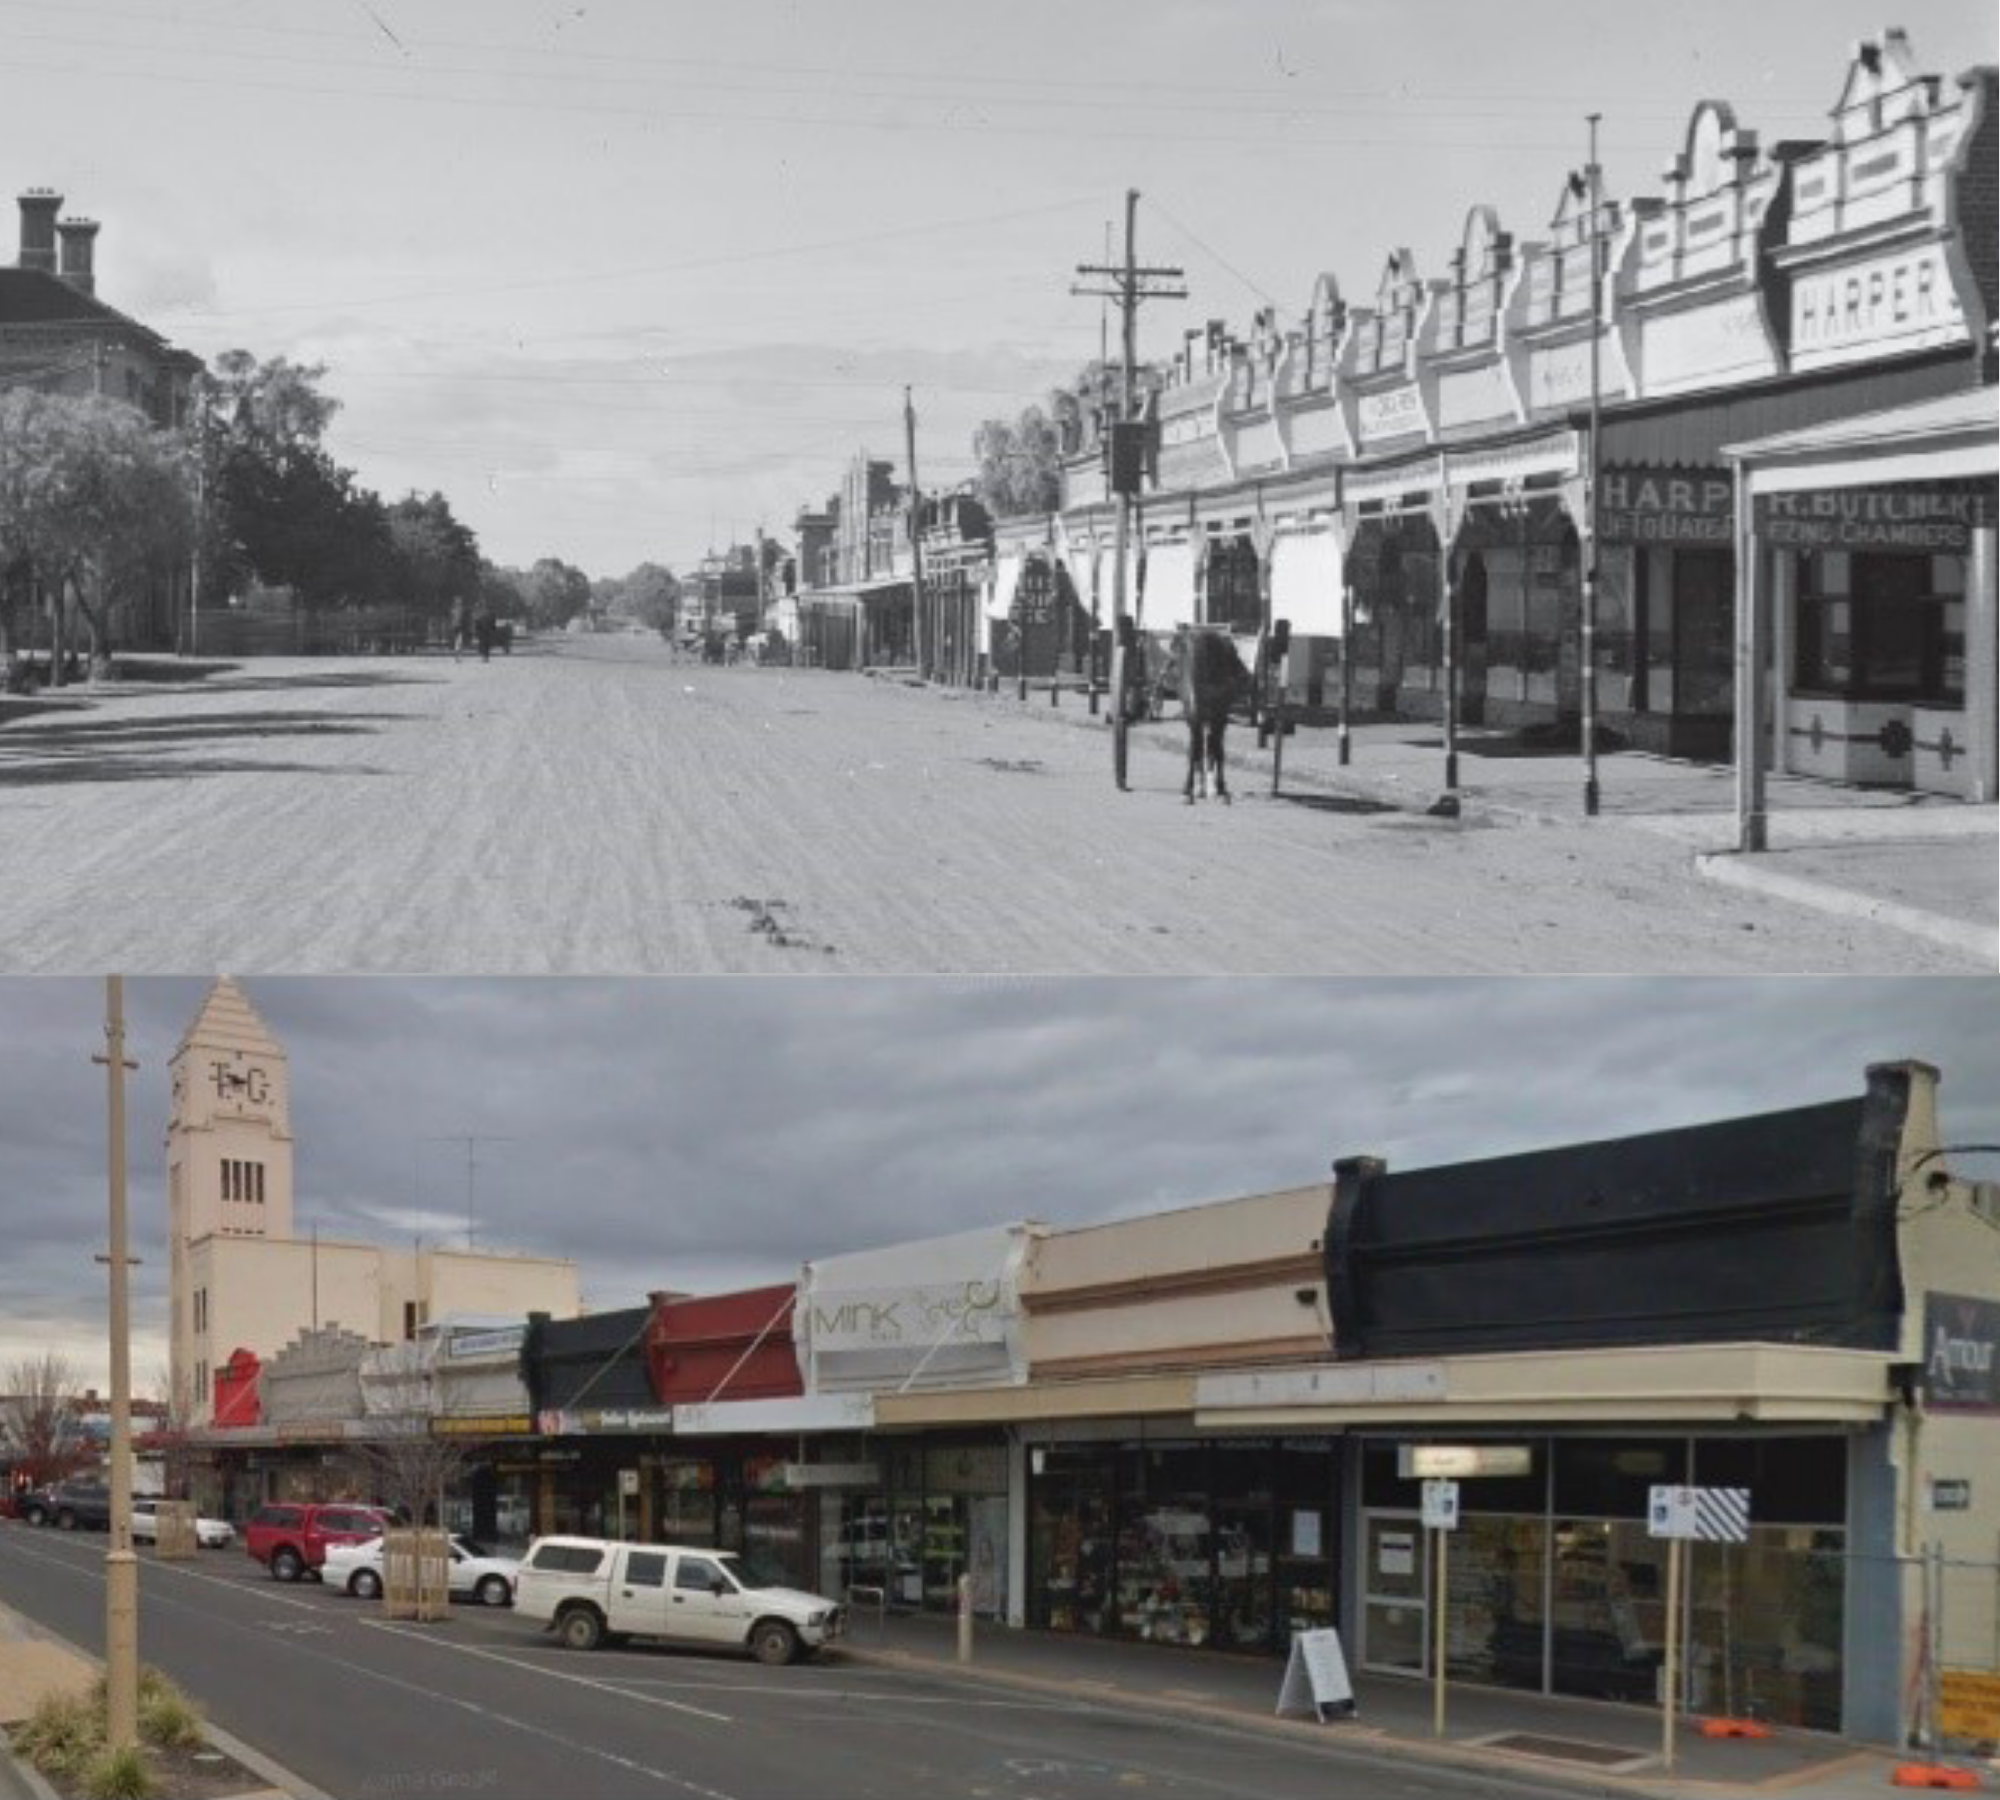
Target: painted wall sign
point(1559, 376)
point(1961, 1337)
point(1901, 301)
point(1665, 506)
point(1925, 519)
point(1704, 345)
point(1392, 413)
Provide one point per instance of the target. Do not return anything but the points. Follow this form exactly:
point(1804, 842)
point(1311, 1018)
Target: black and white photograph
point(494, 487)
point(1035, 903)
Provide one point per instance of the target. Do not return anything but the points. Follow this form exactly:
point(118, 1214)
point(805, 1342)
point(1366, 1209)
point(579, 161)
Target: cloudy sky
point(629, 277)
point(705, 1134)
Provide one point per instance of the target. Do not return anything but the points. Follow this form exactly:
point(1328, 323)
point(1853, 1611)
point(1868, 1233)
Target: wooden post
point(1440, 1603)
point(1670, 1697)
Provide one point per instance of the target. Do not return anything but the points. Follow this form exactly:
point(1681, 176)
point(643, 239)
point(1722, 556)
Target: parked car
point(70, 1506)
point(210, 1534)
point(589, 1589)
point(475, 1574)
point(291, 1540)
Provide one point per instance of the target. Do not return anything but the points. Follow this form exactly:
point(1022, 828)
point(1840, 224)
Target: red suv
point(290, 1540)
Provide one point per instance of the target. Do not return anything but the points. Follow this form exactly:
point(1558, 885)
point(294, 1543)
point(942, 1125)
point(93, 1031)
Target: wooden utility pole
point(917, 620)
point(1589, 633)
point(1128, 285)
point(121, 1564)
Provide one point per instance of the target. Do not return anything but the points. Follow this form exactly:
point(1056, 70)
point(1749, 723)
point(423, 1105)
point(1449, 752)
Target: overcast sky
point(627, 278)
point(706, 1134)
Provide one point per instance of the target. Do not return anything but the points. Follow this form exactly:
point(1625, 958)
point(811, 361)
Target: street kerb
point(56, 1656)
point(1346, 1737)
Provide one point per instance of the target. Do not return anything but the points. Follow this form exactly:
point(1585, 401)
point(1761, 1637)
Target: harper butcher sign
point(1961, 1367)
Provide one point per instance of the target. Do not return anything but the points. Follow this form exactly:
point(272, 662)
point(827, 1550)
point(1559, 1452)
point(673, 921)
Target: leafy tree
point(437, 557)
point(301, 521)
point(651, 594)
point(276, 405)
point(556, 593)
point(92, 498)
point(500, 591)
point(1020, 465)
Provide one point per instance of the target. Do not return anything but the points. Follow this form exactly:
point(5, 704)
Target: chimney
point(78, 236)
point(39, 207)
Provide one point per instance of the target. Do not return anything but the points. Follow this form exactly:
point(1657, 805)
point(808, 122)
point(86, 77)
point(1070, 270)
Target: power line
point(1212, 253)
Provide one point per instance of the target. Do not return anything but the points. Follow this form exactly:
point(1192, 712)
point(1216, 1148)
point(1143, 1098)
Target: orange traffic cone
point(1735, 1728)
point(1934, 1775)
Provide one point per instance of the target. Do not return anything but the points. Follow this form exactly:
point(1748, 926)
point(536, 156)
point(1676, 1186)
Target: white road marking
point(507, 1720)
point(514, 1662)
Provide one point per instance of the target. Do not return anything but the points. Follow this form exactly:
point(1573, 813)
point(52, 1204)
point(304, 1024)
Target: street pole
point(916, 539)
point(121, 1565)
point(1671, 1672)
point(1443, 1591)
point(1129, 285)
point(1590, 795)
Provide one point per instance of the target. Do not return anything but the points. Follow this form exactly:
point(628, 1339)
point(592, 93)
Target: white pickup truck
point(591, 1589)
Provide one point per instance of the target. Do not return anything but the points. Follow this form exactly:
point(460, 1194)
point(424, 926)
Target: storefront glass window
point(1880, 626)
point(1304, 1530)
point(1165, 1548)
point(1498, 1571)
point(1071, 1547)
point(687, 1503)
point(1608, 1478)
point(1766, 1626)
point(1607, 1609)
point(1245, 1541)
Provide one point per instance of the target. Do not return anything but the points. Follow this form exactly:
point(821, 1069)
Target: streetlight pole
point(121, 1565)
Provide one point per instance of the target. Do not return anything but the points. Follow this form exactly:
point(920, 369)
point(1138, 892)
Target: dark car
point(70, 1506)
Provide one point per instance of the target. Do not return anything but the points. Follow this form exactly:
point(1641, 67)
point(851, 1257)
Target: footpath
point(1524, 1740)
point(35, 1663)
point(1924, 864)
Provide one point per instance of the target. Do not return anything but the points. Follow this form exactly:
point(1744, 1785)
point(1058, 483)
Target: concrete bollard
point(965, 1618)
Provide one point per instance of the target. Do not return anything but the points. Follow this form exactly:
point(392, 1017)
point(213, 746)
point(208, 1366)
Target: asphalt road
point(593, 807)
point(485, 1705)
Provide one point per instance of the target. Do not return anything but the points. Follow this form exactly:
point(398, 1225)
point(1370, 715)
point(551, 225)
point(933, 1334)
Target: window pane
point(695, 1573)
point(1607, 1478)
point(646, 1568)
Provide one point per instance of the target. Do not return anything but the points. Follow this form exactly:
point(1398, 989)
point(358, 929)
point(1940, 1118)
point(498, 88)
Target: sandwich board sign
point(1316, 1677)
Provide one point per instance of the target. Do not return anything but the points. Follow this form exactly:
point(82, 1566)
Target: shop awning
point(1692, 432)
point(1305, 583)
point(1169, 596)
point(1662, 1384)
point(1109, 1397)
point(798, 1412)
point(1954, 437)
point(1006, 578)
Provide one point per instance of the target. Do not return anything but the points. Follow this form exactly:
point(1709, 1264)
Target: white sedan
point(210, 1534)
point(476, 1573)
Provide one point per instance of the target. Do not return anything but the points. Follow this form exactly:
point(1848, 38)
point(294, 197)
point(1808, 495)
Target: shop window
point(1880, 627)
point(687, 1502)
point(1498, 1573)
point(1165, 1549)
point(1792, 1480)
point(1608, 1478)
point(1765, 1627)
point(1071, 1544)
point(1607, 1607)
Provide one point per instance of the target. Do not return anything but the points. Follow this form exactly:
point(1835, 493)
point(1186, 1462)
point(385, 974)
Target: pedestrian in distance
point(483, 630)
point(461, 626)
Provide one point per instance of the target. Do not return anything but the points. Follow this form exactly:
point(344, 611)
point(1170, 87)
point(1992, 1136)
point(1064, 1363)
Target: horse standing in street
point(1212, 679)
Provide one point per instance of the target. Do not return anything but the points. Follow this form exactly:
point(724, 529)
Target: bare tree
point(40, 1427)
point(404, 1462)
point(170, 1439)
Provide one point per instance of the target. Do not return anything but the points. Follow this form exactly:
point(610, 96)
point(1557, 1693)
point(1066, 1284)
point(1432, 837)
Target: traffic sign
point(1441, 1506)
point(1707, 1515)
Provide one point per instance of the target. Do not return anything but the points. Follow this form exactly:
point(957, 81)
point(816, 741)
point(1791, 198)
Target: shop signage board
point(973, 1312)
point(1931, 519)
point(799, 1476)
point(504, 1342)
point(1316, 1680)
point(1642, 505)
point(1440, 1510)
point(1457, 1462)
point(1709, 1515)
point(1898, 301)
point(494, 1425)
point(1961, 1353)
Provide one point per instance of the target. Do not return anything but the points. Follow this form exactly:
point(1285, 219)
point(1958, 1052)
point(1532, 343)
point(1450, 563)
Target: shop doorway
point(1395, 1587)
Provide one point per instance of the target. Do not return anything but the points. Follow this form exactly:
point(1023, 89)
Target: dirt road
point(592, 806)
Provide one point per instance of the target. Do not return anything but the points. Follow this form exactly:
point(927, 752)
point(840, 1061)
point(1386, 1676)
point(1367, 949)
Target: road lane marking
point(366, 1672)
point(514, 1662)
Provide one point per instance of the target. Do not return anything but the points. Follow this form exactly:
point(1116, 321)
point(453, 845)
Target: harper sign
point(1927, 519)
point(1665, 506)
point(1961, 1335)
point(1905, 300)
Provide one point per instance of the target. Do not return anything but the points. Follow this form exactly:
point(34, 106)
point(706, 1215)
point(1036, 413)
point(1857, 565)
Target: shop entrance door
point(1395, 1587)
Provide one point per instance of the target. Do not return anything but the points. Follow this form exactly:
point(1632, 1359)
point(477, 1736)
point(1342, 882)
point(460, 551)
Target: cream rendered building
point(241, 1277)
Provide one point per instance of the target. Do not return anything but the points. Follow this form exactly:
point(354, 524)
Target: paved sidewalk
point(1597, 1746)
point(1923, 863)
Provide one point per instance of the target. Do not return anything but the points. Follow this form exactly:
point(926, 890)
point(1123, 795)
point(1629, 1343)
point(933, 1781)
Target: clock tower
point(229, 1163)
